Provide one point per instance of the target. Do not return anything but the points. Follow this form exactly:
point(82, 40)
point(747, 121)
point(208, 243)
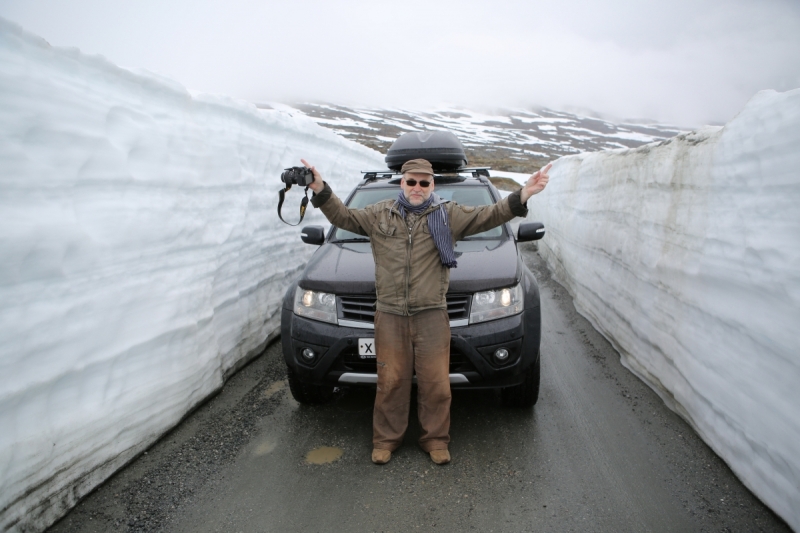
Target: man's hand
point(535, 183)
point(317, 184)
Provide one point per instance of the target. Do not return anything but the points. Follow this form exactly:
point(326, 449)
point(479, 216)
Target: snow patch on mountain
point(511, 140)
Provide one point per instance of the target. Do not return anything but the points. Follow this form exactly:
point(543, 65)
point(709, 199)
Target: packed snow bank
point(141, 259)
point(686, 255)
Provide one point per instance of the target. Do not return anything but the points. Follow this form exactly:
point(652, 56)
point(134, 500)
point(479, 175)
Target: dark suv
point(493, 303)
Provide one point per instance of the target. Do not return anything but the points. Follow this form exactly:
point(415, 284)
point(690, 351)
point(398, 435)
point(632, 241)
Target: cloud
point(683, 62)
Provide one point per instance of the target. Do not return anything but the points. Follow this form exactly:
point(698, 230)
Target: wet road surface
point(599, 452)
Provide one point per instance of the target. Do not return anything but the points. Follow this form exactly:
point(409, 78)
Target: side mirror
point(313, 234)
point(530, 231)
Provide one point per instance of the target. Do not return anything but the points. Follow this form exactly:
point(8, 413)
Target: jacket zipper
point(408, 260)
point(408, 270)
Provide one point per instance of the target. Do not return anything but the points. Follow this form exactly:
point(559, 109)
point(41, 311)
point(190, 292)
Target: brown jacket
point(409, 276)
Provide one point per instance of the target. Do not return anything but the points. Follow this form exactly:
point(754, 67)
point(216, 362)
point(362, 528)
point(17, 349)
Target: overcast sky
point(687, 62)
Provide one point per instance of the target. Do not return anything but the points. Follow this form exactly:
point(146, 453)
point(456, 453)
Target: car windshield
point(464, 195)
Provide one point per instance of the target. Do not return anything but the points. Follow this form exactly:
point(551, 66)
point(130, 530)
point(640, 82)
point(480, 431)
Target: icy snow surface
point(141, 259)
point(686, 255)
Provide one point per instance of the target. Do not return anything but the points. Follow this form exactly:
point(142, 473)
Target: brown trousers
point(405, 344)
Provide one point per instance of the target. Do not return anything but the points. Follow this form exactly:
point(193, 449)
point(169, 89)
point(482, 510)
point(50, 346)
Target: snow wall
point(685, 254)
point(141, 259)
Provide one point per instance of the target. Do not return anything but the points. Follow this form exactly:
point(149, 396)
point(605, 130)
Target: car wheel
point(306, 393)
point(526, 393)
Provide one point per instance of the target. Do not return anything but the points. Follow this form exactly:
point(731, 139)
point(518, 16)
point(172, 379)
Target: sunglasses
point(423, 183)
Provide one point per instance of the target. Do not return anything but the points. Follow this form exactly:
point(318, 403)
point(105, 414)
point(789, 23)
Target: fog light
point(309, 355)
point(501, 354)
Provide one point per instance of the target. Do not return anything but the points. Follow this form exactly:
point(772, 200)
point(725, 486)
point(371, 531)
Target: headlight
point(490, 305)
point(316, 305)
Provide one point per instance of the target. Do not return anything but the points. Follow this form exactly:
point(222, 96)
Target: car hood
point(348, 268)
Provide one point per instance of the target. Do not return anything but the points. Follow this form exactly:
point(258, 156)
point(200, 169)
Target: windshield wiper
point(357, 239)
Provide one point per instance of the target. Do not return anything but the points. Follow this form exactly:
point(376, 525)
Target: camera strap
point(303, 204)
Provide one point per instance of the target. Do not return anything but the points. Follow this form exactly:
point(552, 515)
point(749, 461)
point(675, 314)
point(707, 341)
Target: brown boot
point(381, 457)
point(440, 457)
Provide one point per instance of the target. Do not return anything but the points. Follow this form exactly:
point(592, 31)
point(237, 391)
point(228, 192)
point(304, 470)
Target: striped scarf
point(437, 222)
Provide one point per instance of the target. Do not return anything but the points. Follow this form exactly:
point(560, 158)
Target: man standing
point(412, 241)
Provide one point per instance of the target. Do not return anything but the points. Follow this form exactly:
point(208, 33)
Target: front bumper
point(472, 364)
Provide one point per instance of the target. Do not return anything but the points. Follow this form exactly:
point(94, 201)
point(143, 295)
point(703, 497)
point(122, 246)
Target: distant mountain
point(514, 140)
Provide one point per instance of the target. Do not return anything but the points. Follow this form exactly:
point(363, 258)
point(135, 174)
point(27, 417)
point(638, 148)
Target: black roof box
point(441, 148)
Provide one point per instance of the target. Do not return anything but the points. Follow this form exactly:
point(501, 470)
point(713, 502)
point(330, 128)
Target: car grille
point(458, 306)
point(362, 308)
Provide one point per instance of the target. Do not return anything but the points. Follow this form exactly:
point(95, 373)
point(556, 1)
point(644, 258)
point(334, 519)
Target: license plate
point(366, 348)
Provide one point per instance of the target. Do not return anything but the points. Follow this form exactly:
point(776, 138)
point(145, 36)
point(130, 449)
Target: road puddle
point(268, 446)
point(323, 455)
point(274, 388)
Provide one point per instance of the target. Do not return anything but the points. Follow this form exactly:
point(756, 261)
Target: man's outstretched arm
point(536, 183)
point(317, 185)
point(356, 220)
point(471, 220)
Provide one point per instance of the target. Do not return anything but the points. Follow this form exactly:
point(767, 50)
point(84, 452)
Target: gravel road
point(599, 452)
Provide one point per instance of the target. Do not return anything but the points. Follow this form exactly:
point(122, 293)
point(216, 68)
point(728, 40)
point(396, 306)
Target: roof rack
point(477, 171)
point(370, 175)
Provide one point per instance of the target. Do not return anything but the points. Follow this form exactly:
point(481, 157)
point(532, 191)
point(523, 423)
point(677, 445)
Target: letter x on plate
point(366, 348)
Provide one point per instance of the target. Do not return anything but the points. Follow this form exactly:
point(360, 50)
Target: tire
point(306, 393)
point(525, 394)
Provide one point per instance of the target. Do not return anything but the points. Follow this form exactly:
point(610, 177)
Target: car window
point(469, 195)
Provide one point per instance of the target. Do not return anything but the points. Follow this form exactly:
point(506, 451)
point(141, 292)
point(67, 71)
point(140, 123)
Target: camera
point(301, 176)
